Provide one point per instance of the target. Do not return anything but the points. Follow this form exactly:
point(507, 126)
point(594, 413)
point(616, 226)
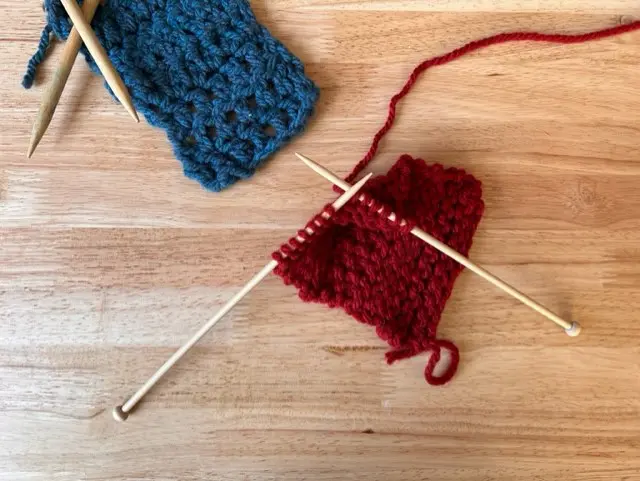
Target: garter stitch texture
point(375, 269)
point(380, 273)
point(227, 93)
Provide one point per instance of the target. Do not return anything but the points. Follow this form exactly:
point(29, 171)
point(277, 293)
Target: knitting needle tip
point(33, 143)
point(127, 103)
point(304, 159)
point(310, 163)
point(133, 113)
point(327, 174)
point(351, 191)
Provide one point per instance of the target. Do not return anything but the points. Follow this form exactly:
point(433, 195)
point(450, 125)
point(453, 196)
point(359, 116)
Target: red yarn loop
point(435, 358)
point(293, 247)
point(435, 347)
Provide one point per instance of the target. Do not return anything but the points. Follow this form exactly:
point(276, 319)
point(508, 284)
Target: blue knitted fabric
point(227, 93)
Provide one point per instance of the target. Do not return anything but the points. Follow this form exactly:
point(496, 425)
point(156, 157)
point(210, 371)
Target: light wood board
point(110, 258)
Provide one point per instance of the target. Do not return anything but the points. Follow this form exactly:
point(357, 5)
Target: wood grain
point(110, 259)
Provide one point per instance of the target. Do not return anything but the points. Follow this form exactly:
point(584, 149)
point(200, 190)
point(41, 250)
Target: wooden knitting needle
point(52, 94)
point(100, 56)
point(571, 328)
point(121, 413)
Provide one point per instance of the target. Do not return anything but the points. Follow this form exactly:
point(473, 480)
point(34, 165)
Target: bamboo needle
point(121, 413)
point(52, 94)
point(100, 56)
point(571, 328)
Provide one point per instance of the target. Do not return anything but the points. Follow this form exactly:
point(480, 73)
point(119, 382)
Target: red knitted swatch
point(380, 273)
point(374, 268)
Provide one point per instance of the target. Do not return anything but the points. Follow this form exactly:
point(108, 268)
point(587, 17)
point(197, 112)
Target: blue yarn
point(29, 76)
point(227, 93)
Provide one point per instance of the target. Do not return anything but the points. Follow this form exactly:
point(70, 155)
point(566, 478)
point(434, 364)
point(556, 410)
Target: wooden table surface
point(110, 258)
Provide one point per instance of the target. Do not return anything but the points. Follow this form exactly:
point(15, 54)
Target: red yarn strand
point(372, 268)
point(472, 47)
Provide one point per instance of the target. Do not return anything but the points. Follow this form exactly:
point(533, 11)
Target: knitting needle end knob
point(119, 415)
point(574, 330)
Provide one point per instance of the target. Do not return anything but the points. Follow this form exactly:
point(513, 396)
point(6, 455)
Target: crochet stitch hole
point(190, 140)
point(231, 116)
point(212, 132)
point(269, 131)
point(251, 102)
point(191, 107)
point(285, 117)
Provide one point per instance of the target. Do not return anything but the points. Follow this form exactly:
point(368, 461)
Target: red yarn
point(472, 47)
point(374, 268)
point(380, 273)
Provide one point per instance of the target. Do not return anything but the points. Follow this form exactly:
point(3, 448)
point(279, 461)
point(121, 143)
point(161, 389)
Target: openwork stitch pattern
point(227, 93)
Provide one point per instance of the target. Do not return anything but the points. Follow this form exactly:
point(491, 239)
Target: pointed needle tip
point(304, 159)
point(32, 149)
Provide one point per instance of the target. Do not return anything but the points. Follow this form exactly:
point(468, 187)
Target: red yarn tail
point(436, 348)
point(472, 47)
